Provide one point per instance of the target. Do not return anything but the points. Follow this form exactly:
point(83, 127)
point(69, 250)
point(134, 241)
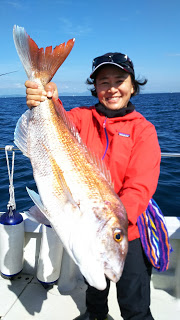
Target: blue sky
point(148, 31)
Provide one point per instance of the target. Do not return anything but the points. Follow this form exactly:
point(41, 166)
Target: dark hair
point(136, 85)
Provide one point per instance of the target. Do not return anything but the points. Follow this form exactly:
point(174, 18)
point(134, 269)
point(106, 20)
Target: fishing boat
point(25, 296)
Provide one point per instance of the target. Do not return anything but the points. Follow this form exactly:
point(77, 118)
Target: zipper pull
point(104, 123)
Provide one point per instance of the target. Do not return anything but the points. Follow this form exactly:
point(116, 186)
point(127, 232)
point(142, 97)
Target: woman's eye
point(120, 81)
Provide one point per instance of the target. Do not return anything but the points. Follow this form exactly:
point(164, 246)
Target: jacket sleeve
point(141, 178)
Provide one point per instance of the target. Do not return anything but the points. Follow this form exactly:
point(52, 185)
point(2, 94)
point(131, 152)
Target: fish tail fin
point(37, 62)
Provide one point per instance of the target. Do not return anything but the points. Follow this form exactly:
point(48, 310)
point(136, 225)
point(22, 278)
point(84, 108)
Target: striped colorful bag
point(154, 236)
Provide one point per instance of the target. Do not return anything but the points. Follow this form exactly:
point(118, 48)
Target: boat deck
point(24, 298)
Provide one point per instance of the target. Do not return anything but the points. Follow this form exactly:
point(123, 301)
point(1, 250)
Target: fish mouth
point(112, 274)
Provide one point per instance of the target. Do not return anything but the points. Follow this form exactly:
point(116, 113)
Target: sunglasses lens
point(119, 58)
point(99, 60)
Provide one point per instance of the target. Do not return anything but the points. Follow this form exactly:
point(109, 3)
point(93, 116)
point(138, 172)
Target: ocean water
point(163, 110)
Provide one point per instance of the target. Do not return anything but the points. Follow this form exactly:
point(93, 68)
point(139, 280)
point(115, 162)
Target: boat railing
point(170, 154)
point(163, 154)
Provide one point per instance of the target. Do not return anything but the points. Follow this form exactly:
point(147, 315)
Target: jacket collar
point(114, 113)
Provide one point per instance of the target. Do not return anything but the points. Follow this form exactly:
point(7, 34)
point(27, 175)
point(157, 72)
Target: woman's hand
point(34, 95)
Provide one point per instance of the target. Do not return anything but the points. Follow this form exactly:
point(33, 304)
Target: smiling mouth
point(112, 98)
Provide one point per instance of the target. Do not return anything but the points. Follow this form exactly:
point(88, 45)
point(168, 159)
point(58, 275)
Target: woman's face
point(114, 87)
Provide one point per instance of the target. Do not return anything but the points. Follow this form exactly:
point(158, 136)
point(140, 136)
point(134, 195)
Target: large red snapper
point(75, 194)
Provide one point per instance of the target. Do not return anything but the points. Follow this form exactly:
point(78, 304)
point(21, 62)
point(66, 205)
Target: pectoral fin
point(21, 133)
point(38, 212)
point(34, 214)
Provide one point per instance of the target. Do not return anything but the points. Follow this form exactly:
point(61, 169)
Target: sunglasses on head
point(118, 58)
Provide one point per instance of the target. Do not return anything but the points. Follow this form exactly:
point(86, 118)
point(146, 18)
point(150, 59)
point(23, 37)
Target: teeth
point(113, 99)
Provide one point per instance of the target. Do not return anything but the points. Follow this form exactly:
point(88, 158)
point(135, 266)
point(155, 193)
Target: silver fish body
point(76, 195)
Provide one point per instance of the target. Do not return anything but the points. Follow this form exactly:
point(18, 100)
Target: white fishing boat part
point(50, 285)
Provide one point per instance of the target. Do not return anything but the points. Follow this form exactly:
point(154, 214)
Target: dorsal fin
point(95, 159)
point(37, 62)
point(64, 116)
point(102, 167)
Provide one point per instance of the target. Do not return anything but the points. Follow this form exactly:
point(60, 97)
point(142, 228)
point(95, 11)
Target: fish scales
point(68, 152)
point(75, 194)
point(90, 180)
point(85, 178)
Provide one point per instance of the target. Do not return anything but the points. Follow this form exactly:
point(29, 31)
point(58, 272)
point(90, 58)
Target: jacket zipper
point(107, 139)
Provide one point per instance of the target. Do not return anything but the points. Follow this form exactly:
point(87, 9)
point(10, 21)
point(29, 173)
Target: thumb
point(51, 90)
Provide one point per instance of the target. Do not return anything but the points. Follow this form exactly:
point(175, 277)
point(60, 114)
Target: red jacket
point(130, 149)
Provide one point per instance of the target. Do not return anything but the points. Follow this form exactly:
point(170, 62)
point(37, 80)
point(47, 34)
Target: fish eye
point(118, 235)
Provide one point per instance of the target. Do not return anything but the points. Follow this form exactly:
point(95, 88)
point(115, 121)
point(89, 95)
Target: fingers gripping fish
point(75, 193)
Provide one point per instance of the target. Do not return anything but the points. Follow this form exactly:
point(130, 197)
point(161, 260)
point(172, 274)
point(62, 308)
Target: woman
point(128, 145)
